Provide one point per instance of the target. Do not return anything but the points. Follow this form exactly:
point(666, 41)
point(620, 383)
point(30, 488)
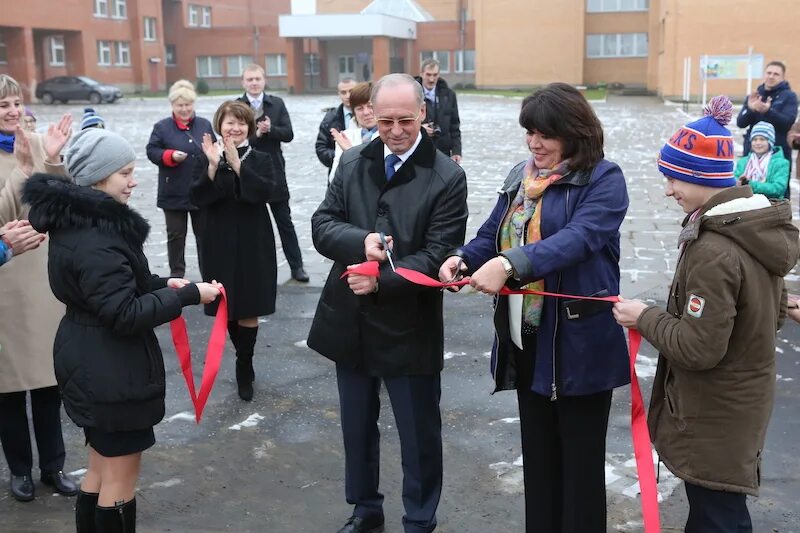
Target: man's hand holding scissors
point(377, 247)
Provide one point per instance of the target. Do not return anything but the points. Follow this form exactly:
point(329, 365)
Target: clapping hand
point(343, 142)
point(231, 154)
point(20, 236)
point(264, 126)
point(22, 151)
point(210, 149)
point(56, 138)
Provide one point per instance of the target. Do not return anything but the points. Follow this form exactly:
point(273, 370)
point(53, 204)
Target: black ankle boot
point(85, 505)
point(245, 374)
point(117, 519)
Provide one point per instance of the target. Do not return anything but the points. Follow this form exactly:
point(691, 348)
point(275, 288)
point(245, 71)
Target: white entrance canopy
point(334, 26)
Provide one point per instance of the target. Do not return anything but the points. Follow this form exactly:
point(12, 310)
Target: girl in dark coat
point(174, 146)
point(232, 183)
point(108, 363)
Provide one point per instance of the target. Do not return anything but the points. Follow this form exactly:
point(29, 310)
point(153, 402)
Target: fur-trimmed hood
point(59, 204)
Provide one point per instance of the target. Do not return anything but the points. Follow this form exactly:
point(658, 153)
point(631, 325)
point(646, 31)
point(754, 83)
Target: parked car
point(65, 88)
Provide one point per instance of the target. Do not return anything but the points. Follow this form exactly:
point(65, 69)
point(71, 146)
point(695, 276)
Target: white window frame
point(459, 57)
point(56, 49)
point(150, 29)
point(122, 53)
point(597, 43)
point(3, 50)
point(101, 8)
point(442, 56)
point(209, 61)
point(103, 52)
point(238, 63)
point(194, 16)
point(205, 16)
point(616, 6)
point(120, 9)
point(281, 64)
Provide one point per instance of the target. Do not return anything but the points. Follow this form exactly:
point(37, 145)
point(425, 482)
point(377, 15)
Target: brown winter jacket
point(715, 383)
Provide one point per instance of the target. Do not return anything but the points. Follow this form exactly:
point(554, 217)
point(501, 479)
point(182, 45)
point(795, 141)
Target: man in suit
point(338, 118)
point(385, 330)
point(273, 127)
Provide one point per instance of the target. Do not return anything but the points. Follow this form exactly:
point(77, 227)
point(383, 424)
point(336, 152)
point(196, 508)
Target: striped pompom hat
point(701, 152)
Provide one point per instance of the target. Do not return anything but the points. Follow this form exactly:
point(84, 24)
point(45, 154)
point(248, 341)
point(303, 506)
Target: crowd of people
point(82, 334)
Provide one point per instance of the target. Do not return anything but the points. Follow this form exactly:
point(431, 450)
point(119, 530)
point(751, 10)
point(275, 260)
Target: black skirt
point(119, 443)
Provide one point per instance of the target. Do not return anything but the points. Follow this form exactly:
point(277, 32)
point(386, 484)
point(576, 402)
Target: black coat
point(108, 362)
point(326, 146)
point(280, 131)
point(238, 247)
point(398, 330)
point(444, 114)
point(782, 114)
point(174, 182)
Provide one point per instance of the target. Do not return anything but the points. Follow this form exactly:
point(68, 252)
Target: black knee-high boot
point(117, 519)
point(233, 332)
point(245, 375)
point(85, 504)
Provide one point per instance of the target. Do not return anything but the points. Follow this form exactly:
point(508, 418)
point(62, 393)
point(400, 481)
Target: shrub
point(202, 86)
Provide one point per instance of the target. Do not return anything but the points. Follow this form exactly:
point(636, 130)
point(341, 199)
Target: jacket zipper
point(497, 247)
point(553, 385)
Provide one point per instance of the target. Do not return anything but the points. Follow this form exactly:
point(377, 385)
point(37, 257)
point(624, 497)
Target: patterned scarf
point(526, 210)
point(7, 143)
point(756, 169)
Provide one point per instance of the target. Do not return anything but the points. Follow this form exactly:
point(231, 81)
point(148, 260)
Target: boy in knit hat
point(715, 383)
point(91, 119)
point(766, 170)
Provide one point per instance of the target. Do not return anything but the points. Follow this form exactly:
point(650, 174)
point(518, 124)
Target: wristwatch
point(507, 265)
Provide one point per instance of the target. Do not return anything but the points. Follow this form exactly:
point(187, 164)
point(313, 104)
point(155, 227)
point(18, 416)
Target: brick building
point(144, 45)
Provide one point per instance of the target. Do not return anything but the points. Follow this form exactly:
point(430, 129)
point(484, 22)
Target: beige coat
point(29, 313)
point(715, 383)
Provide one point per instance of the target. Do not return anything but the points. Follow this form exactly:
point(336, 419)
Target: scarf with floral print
point(524, 215)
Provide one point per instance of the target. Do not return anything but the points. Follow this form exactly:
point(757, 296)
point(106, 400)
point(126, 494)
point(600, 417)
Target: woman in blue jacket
point(174, 146)
point(556, 228)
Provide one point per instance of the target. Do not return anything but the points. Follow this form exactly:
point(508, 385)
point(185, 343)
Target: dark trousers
point(716, 511)
point(563, 454)
point(283, 219)
point(15, 434)
point(176, 222)
point(415, 403)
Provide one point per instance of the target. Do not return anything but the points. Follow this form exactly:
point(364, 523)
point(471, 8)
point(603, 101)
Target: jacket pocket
point(576, 309)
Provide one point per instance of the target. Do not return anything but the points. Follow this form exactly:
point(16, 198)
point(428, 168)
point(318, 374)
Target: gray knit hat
point(94, 154)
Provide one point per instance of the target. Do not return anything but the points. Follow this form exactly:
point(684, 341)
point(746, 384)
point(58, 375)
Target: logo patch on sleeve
point(695, 306)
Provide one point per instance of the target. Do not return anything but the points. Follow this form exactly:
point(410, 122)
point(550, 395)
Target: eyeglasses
point(403, 122)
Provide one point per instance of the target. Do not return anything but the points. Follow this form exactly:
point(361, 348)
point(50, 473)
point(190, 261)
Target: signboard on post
point(731, 67)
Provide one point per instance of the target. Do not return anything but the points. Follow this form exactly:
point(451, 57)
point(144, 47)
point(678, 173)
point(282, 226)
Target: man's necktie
point(389, 163)
point(366, 135)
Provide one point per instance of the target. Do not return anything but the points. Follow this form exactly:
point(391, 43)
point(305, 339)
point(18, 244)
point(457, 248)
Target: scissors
point(388, 251)
point(458, 273)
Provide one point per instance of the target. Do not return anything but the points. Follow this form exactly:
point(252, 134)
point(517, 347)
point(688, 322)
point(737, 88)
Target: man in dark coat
point(773, 102)
point(337, 117)
point(386, 329)
point(441, 118)
point(273, 127)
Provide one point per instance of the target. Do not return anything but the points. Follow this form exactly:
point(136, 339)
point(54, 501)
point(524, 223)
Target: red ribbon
point(642, 444)
point(216, 345)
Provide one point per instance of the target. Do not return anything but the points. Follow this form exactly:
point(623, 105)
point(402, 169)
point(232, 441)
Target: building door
point(347, 67)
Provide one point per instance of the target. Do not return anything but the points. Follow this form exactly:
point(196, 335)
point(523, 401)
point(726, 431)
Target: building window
point(442, 56)
point(150, 29)
point(206, 20)
point(120, 9)
point(465, 60)
point(123, 53)
point(3, 50)
point(606, 6)
point(276, 64)
point(616, 45)
point(57, 51)
point(194, 15)
point(103, 52)
point(169, 54)
point(100, 8)
point(209, 67)
point(311, 64)
point(236, 65)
